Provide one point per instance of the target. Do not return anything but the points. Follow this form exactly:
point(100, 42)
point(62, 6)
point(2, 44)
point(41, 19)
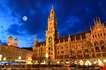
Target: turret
point(97, 25)
point(15, 42)
point(51, 35)
point(35, 44)
point(97, 21)
point(10, 41)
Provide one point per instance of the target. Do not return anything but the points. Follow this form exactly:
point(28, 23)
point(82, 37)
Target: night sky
point(27, 19)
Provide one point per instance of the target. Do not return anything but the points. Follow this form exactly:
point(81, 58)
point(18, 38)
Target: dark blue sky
point(73, 16)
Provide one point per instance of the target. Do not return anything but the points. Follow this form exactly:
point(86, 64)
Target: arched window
point(102, 42)
point(86, 51)
point(95, 43)
point(103, 49)
point(86, 55)
point(97, 49)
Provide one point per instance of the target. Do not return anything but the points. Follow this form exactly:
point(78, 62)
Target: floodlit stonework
point(90, 45)
point(11, 51)
point(87, 47)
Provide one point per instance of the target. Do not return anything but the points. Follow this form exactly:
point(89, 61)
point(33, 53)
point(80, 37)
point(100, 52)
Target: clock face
point(50, 40)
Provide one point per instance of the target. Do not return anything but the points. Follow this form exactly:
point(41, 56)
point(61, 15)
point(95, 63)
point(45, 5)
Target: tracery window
point(95, 43)
point(102, 42)
point(103, 49)
point(97, 49)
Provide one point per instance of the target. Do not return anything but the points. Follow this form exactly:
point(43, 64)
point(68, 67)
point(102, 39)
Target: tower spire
point(52, 20)
point(15, 42)
point(10, 41)
point(51, 34)
point(52, 12)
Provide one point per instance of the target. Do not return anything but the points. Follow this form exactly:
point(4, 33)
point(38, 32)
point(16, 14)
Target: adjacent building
point(11, 51)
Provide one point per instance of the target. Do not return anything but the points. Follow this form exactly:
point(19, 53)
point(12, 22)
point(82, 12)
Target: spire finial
point(52, 12)
point(97, 21)
point(69, 37)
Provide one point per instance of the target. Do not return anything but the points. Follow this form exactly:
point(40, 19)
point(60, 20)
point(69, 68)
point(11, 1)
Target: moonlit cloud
point(73, 17)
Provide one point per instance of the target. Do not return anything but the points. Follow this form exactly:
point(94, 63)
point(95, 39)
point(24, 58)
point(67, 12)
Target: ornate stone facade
point(11, 51)
point(87, 45)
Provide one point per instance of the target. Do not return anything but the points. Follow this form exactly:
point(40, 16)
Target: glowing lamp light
point(36, 62)
point(95, 62)
point(4, 58)
point(58, 62)
point(67, 62)
point(75, 62)
point(19, 58)
point(81, 62)
point(46, 55)
point(104, 60)
point(43, 62)
point(100, 63)
point(29, 60)
point(1, 57)
point(88, 63)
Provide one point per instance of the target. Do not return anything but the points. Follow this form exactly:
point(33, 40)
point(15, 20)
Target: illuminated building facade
point(11, 51)
point(79, 47)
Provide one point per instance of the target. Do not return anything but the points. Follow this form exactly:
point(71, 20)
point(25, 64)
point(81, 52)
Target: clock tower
point(51, 35)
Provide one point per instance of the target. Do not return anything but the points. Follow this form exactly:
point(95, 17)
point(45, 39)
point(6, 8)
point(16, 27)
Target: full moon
point(25, 18)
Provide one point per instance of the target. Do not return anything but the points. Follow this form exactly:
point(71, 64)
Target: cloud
point(72, 17)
